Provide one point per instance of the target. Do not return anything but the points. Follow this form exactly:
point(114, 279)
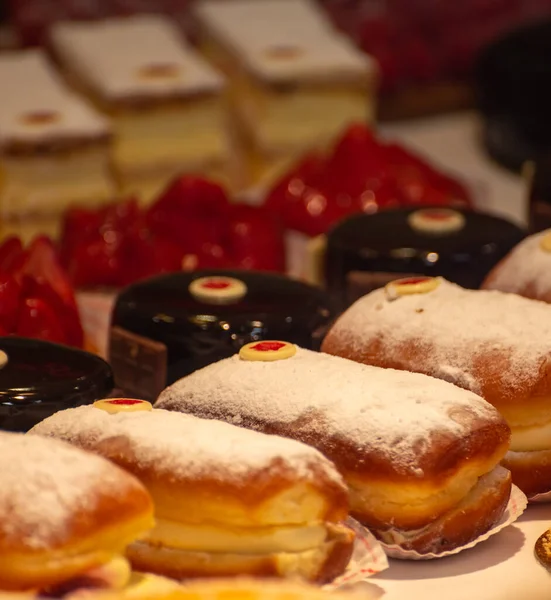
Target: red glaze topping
point(125, 401)
point(216, 285)
point(413, 280)
point(268, 346)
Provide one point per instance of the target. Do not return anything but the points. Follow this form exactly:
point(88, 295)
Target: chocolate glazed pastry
point(365, 252)
point(169, 326)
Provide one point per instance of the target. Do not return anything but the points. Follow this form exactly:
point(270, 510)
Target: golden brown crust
point(473, 516)
point(319, 565)
point(543, 549)
point(531, 471)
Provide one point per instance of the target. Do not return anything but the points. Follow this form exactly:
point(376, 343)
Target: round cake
point(169, 326)
point(365, 252)
point(39, 378)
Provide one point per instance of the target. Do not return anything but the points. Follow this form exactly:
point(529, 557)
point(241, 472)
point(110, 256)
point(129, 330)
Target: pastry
point(228, 501)
point(494, 344)
point(526, 270)
point(68, 516)
point(543, 549)
point(366, 252)
point(38, 378)
point(294, 81)
point(54, 148)
point(420, 456)
point(163, 99)
point(212, 314)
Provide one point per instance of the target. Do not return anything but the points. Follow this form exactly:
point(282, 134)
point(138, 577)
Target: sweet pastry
point(39, 378)
point(365, 252)
point(294, 80)
point(228, 501)
point(420, 456)
point(525, 270)
point(543, 549)
point(68, 516)
point(140, 72)
point(494, 344)
point(54, 148)
point(207, 316)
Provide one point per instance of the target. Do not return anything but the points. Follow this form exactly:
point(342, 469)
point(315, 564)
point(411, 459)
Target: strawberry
point(10, 298)
point(38, 320)
point(11, 251)
point(96, 262)
point(255, 239)
point(79, 224)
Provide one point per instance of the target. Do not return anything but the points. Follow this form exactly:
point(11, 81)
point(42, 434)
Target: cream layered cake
point(294, 80)
point(163, 99)
point(54, 147)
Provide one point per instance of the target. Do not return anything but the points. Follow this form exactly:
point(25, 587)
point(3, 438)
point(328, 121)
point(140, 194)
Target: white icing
point(527, 265)
point(29, 85)
point(109, 55)
point(251, 28)
point(451, 328)
point(375, 409)
point(185, 446)
point(46, 484)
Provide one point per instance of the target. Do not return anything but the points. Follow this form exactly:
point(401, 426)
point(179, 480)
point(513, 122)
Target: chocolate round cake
point(169, 326)
point(39, 378)
point(365, 252)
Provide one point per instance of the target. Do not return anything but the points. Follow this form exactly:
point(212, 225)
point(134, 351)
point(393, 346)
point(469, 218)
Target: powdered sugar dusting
point(378, 410)
point(526, 266)
point(451, 329)
point(186, 446)
point(45, 483)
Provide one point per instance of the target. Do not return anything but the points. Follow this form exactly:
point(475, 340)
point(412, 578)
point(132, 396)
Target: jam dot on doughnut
point(117, 405)
point(545, 243)
point(436, 221)
point(411, 285)
point(268, 350)
point(217, 289)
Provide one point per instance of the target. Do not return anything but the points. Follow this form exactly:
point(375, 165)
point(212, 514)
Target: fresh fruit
point(38, 320)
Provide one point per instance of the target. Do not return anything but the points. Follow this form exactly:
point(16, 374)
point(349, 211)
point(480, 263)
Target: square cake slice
point(163, 98)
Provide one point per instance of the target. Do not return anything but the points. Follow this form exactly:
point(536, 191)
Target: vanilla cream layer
point(206, 538)
point(530, 439)
point(173, 135)
point(47, 185)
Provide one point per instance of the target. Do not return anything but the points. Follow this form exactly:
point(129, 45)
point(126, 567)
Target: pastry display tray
point(503, 567)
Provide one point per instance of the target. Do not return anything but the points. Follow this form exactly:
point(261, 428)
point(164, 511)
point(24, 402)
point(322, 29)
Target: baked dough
point(227, 501)
point(411, 448)
point(495, 344)
point(64, 512)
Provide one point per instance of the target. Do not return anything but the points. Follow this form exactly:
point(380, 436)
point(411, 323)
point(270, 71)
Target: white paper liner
point(540, 498)
point(515, 507)
point(367, 559)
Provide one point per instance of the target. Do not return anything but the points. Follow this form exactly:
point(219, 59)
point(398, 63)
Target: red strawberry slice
point(10, 298)
point(38, 320)
point(11, 251)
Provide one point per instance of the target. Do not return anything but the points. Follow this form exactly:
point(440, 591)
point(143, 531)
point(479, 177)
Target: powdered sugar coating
point(185, 446)
point(45, 485)
point(451, 329)
point(528, 266)
point(377, 410)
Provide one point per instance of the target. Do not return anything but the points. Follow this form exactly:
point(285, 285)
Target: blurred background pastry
point(163, 100)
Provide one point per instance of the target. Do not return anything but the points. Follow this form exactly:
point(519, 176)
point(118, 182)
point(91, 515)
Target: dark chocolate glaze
point(196, 333)
point(41, 378)
point(386, 243)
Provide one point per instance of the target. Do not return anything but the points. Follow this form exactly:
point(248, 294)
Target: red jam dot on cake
point(436, 221)
point(40, 117)
point(411, 285)
point(268, 350)
point(116, 405)
point(217, 290)
point(283, 52)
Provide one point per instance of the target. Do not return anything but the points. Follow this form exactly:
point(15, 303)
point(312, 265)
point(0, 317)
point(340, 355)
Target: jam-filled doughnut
point(228, 501)
point(420, 455)
point(495, 344)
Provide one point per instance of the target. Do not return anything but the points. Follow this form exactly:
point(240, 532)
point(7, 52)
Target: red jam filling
point(216, 285)
point(268, 346)
point(413, 280)
point(437, 215)
point(125, 402)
